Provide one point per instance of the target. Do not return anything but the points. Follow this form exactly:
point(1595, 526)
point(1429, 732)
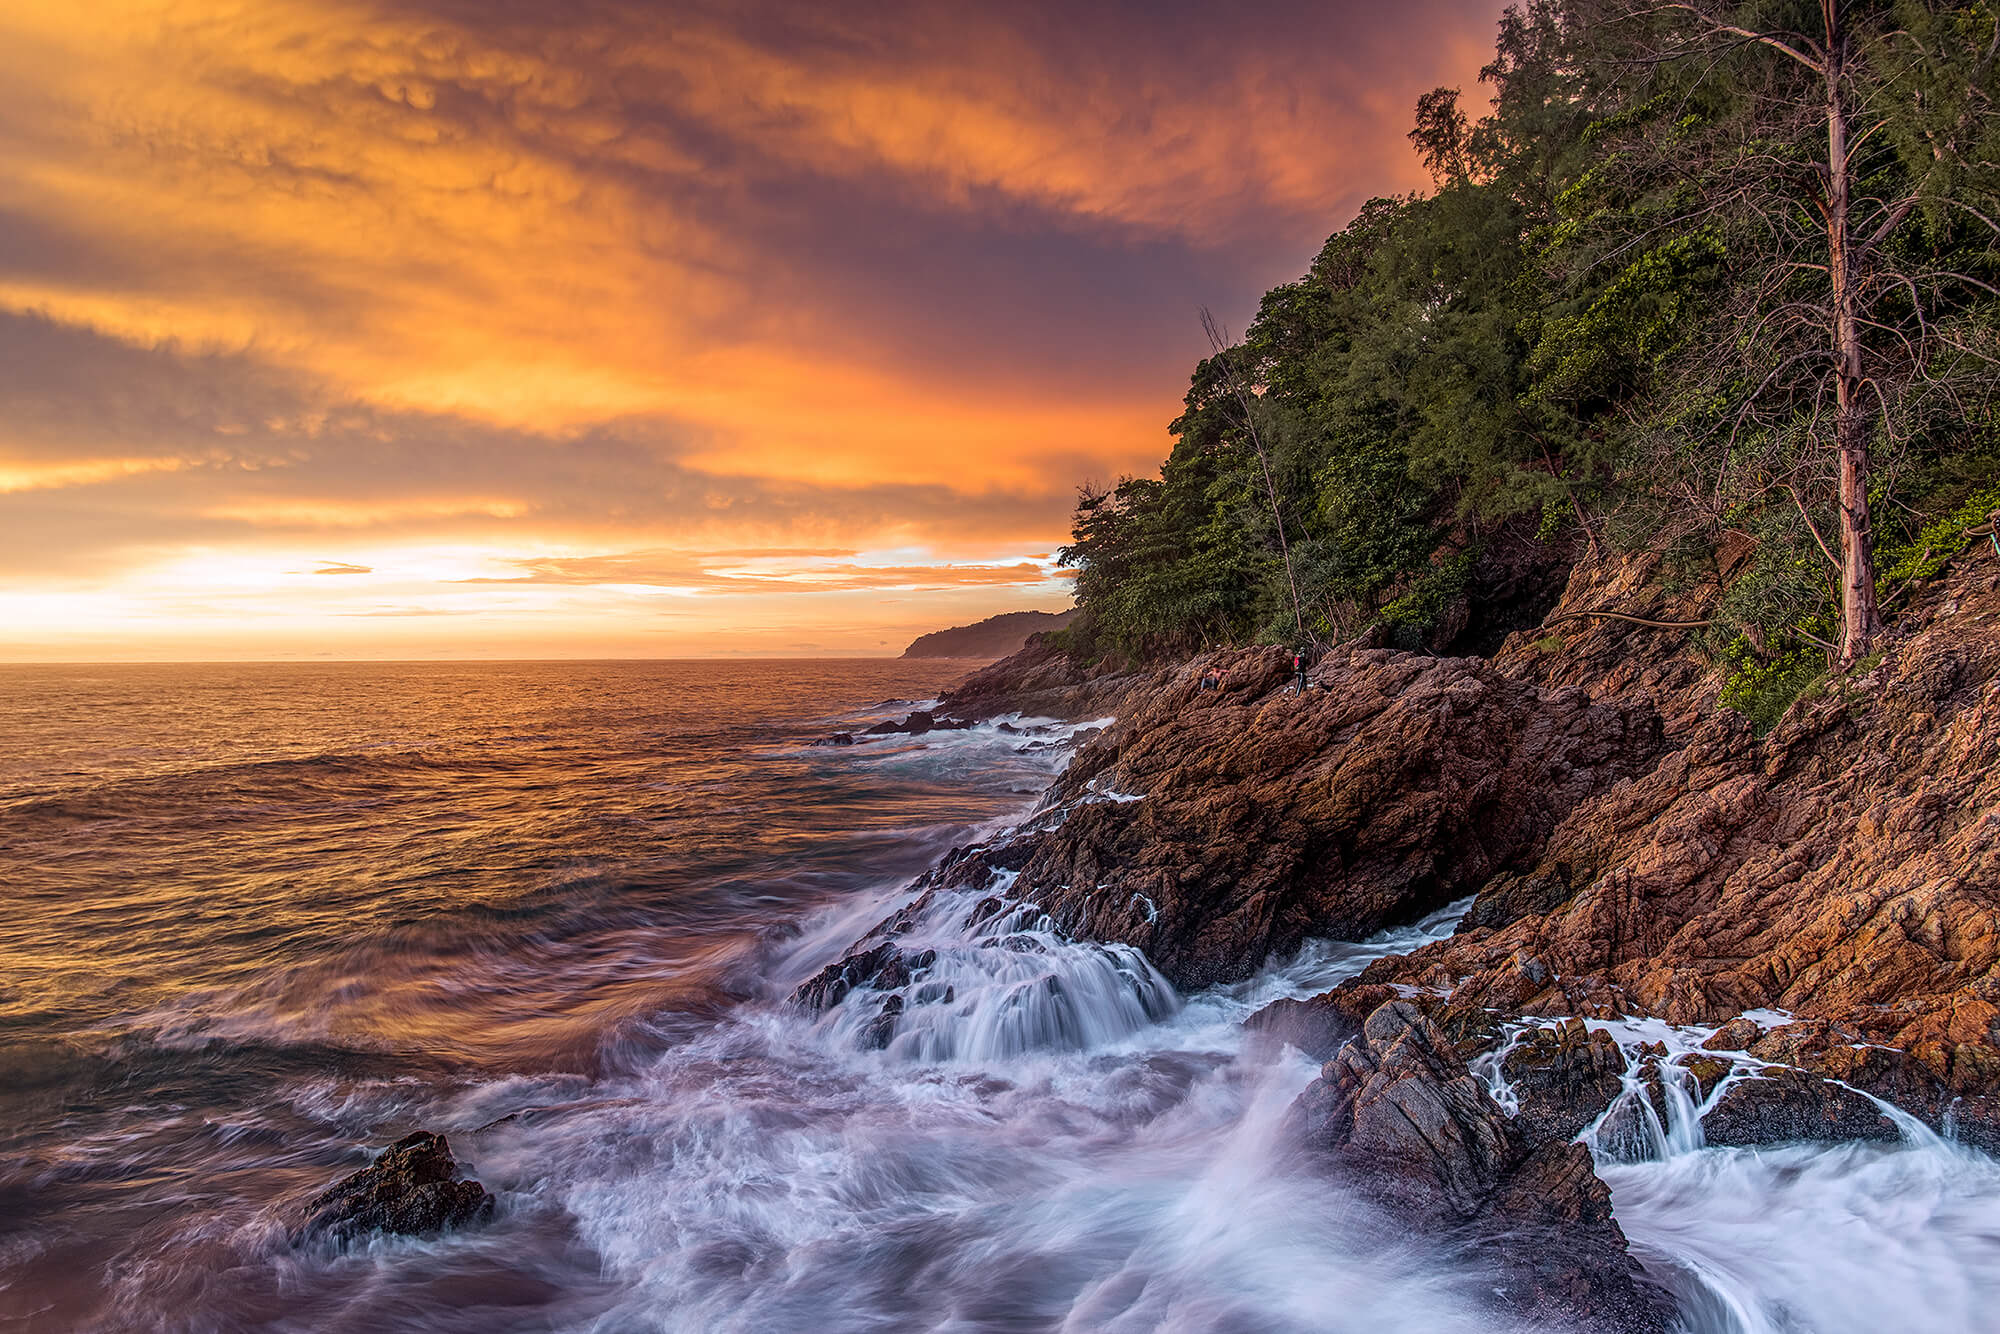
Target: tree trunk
point(1860, 618)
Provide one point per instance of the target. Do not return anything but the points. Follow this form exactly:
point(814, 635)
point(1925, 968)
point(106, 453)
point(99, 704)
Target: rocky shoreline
point(1677, 931)
point(1670, 932)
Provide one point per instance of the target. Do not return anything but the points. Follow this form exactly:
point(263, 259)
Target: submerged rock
point(918, 724)
point(1401, 1115)
point(1780, 1104)
point(411, 1190)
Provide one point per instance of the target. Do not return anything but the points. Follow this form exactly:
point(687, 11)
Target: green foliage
point(1411, 617)
point(1636, 323)
point(1763, 689)
point(1925, 553)
point(1565, 337)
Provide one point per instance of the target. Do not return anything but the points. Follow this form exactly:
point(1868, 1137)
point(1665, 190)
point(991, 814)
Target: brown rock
point(1396, 785)
point(1739, 1034)
point(1398, 1111)
point(1040, 681)
point(1564, 1076)
point(1707, 1072)
point(1845, 868)
point(1318, 1025)
point(1401, 1104)
point(412, 1189)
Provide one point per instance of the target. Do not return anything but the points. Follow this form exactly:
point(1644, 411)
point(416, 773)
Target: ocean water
point(259, 921)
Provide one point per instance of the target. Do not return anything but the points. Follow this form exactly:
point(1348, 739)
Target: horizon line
point(354, 662)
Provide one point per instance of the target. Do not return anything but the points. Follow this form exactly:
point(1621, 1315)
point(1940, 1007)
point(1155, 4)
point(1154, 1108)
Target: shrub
point(1925, 554)
point(1762, 690)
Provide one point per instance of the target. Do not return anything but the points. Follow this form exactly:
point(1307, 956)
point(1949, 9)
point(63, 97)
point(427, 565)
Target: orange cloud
point(608, 278)
point(30, 476)
point(698, 575)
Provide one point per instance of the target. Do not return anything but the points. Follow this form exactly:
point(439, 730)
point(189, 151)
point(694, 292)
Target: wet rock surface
point(1564, 1078)
point(411, 1190)
point(884, 966)
point(1255, 817)
point(1781, 1104)
point(1398, 1112)
point(1631, 850)
point(919, 723)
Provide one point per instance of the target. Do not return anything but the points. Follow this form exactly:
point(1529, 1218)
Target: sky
point(505, 328)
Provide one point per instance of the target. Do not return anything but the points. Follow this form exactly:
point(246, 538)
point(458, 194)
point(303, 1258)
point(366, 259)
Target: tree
point(1842, 301)
point(1239, 389)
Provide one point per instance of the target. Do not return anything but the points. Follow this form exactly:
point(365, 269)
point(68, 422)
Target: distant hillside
point(994, 637)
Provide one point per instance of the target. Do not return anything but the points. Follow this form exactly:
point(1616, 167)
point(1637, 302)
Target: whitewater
point(266, 919)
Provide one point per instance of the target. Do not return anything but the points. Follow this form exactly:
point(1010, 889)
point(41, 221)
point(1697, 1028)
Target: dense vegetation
point(1661, 296)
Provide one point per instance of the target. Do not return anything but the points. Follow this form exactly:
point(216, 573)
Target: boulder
point(1781, 1104)
point(1318, 1025)
point(1399, 1114)
point(411, 1190)
point(1399, 1105)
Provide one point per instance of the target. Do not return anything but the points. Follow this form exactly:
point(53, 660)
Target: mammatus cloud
point(450, 288)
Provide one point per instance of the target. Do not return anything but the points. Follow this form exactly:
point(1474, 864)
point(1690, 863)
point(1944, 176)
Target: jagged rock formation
point(1040, 681)
point(1846, 868)
point(412, 1189)
point(1564, 1076)
point(1633, 851)
point(1627, 858)
point(1784, 1104)
point(1396, 785)
point(1400, 1114)
point(1618, 659)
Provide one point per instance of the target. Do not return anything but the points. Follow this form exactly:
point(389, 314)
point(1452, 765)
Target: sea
point(259, 921)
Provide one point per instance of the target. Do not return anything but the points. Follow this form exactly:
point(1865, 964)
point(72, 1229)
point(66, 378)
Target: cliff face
point(1846, 868)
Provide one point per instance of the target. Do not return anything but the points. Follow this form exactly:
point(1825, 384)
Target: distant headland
point(994, 637)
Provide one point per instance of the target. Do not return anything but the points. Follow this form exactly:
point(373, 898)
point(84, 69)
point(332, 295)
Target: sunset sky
point(508, 328)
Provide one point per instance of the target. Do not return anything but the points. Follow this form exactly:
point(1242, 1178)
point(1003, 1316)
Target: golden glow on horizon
point(48, 476)
point(388, 301)
point(404, 602)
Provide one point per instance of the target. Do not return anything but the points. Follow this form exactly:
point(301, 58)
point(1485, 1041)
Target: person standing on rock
point(1299, 669)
